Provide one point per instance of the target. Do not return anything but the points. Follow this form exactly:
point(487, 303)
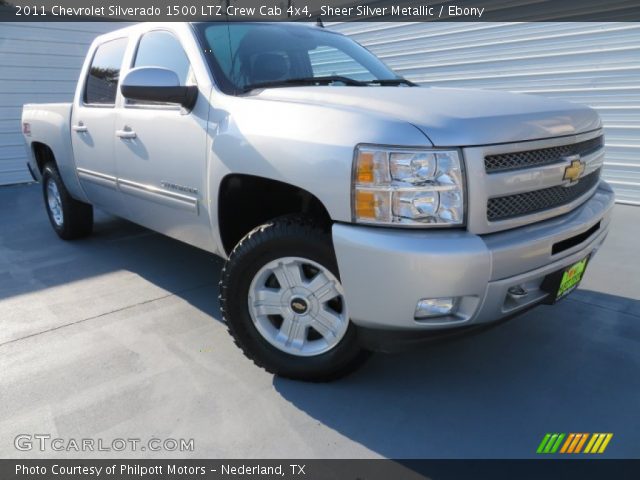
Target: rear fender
point(49, 125)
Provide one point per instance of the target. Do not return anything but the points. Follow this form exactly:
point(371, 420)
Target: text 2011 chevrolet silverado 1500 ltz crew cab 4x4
point(353, 207)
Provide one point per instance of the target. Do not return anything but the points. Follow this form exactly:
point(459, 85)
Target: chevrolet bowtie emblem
point(575, 169)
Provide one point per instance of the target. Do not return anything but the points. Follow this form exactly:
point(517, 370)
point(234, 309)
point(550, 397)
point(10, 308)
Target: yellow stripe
point(598, 442)
point(591, 442)
point(605, 443)
point(567, 442)
point(584, 439)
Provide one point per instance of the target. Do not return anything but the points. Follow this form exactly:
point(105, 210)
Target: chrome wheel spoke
point(318, 281)
point(288, 274)
point(267, 302)
point(292, 333)
point(267, 309)
point(327, 323)
point(326, 292)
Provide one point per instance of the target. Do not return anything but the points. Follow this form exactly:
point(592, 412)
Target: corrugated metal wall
point(39, 62)
point(591, 63)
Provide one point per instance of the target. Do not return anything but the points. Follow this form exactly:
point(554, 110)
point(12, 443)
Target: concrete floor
point(119, 336)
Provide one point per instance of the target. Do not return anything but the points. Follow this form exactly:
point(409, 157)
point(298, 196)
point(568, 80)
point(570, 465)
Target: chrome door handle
point(80, 128)
point(126, 132)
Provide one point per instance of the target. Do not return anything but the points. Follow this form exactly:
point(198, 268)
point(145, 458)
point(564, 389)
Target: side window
point(102, 81)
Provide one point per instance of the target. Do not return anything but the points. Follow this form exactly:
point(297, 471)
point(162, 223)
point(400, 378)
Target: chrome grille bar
point(515, 197)
point(540, 157)
point(510, 206)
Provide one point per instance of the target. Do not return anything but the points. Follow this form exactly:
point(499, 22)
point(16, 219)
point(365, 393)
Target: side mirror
point(155, 84)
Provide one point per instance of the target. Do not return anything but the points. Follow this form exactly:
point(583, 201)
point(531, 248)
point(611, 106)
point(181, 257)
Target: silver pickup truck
point(355, 210)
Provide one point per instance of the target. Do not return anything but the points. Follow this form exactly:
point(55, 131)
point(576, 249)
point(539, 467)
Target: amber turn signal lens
point(364, 173)
point(365, 204)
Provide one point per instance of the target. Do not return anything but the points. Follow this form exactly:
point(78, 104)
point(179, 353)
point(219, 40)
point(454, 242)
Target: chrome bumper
point(385, 272)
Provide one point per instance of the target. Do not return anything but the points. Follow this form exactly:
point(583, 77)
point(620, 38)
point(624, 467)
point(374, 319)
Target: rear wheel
point(284, 304)
point(70, 218)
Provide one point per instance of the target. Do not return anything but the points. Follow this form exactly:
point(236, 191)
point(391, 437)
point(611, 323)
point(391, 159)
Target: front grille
point(502, 208)
point(540, 157)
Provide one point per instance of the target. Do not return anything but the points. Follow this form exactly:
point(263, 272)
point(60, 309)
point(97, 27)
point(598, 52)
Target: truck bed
point(50, 124)
point(37, 113)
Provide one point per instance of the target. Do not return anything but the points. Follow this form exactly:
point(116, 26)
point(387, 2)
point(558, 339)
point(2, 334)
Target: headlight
point(407, 187)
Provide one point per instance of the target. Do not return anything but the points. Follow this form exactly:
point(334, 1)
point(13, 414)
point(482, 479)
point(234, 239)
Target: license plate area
point(561, 283)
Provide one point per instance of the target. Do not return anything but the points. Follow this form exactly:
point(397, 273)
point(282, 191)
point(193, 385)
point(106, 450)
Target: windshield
point(246, 54)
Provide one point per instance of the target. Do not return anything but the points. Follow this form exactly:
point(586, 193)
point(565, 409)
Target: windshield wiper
point(326, 81)
point(305, 81)
point(392, 82)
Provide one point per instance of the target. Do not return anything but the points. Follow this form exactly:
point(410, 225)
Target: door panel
point(162, 171)
point(92, 126)
point(161, 152)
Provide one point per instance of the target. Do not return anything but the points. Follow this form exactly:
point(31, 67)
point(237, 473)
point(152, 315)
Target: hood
point(454, 117)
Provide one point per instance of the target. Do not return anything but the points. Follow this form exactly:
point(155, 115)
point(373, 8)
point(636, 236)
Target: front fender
point(309, 146)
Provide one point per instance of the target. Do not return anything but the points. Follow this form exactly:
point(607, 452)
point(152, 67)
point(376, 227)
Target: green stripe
point(543, 443)
point(557, 445)
point(550, 443)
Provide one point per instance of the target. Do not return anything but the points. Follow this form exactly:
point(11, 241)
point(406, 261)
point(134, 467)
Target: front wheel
point(284, 304)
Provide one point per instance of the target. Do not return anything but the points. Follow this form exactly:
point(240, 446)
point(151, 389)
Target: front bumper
point(385, 272)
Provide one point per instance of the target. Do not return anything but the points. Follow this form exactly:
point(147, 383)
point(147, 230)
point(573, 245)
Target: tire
point(279, 319)
point(69, 218)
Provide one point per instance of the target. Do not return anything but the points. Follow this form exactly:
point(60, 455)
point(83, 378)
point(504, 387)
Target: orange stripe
point(574, 443)
point(605, 443)
point(567, 442)
point(584, 439)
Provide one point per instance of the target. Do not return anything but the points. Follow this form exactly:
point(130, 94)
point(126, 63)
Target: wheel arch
point(242, 205)
point(43, 154)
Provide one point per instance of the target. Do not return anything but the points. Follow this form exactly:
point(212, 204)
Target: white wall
point(39, 62)
point(597, 64)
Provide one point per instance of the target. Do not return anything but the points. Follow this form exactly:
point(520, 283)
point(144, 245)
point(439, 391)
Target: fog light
point(518, 291)
point(434, 307)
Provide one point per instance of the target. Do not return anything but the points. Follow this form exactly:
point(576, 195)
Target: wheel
point(69, 218)
point(282, 300)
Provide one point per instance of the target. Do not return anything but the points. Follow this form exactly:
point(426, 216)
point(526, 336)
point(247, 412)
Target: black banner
point(320, 469)
point(327, 10)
